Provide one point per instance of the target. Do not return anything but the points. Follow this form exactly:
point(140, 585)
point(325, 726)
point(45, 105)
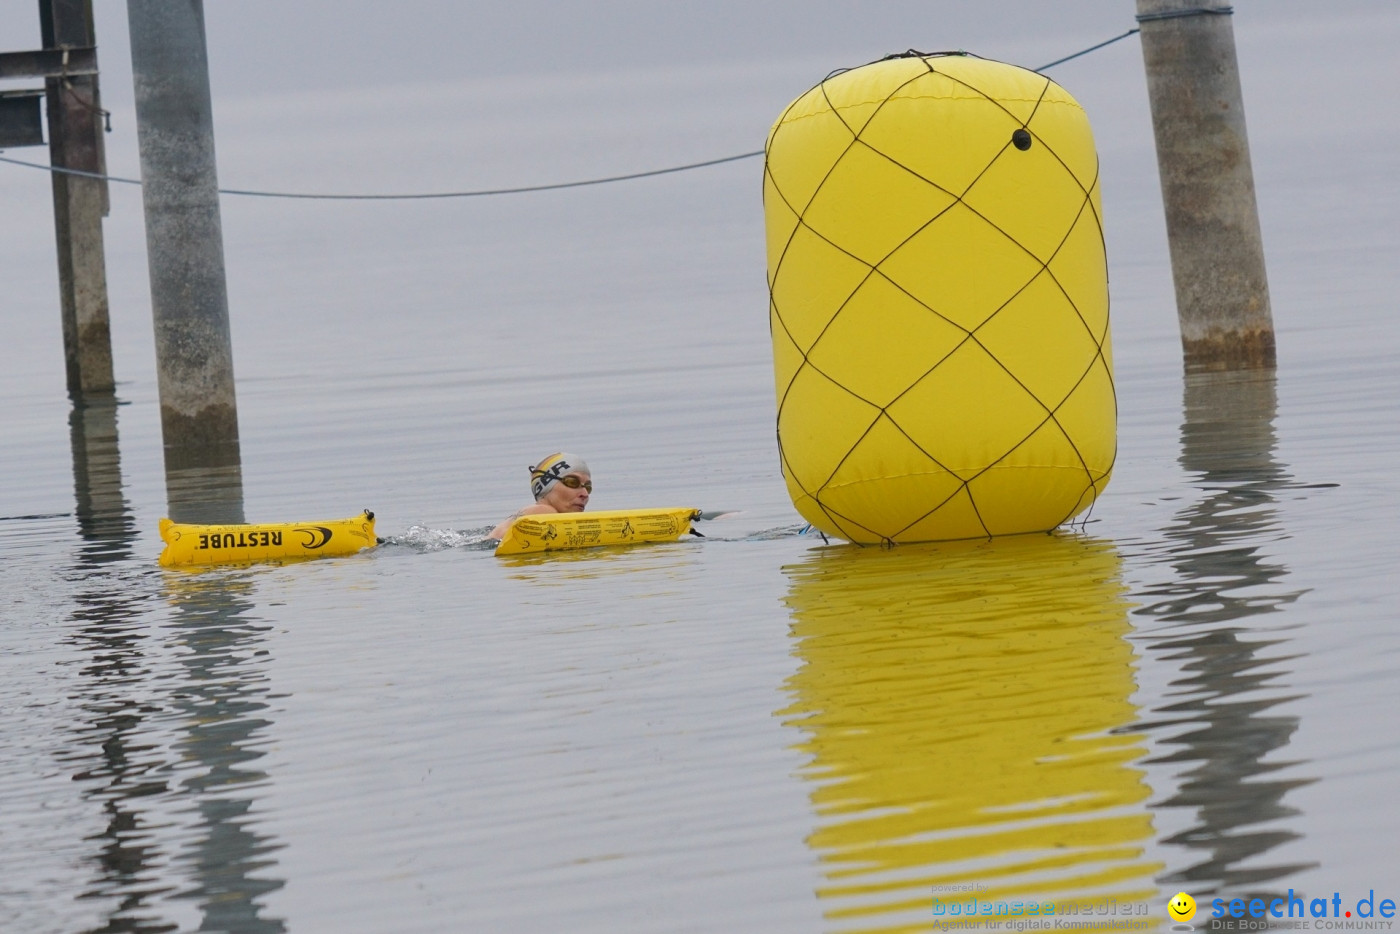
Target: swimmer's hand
point(534, 509)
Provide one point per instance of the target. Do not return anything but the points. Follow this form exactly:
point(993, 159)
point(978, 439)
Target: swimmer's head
point(548, 472)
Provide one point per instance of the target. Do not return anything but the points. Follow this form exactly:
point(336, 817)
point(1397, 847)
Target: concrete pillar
point(79, 204)
point(184, 238)
point(1217, 253)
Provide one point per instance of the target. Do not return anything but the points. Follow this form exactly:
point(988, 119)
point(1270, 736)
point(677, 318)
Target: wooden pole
point(79, 204)
point(1217, 252)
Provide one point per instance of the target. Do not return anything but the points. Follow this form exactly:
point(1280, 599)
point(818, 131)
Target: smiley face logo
point(1182, 907)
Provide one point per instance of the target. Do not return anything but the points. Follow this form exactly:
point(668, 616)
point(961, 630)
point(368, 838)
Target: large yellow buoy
point(938, 302)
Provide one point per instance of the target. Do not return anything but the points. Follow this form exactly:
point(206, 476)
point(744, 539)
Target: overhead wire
point(1092, 48)
point(518, 189)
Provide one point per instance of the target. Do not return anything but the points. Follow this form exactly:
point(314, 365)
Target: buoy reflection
point(963, 709)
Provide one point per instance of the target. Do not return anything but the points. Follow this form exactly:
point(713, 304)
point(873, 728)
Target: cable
point(60, 170)
point(1192, 11)
point(402, 197)
point(556, 186)
point(494, 191)
point(1092, 48)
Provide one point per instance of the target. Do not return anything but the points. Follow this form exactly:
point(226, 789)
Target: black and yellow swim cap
point(548, 471)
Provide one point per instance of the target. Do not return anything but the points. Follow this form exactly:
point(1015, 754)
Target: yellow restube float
point(192, 545)
point(563, 531)
point(939, 302)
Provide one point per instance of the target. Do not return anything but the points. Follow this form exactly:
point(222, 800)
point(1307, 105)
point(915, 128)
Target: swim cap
point(548, 471)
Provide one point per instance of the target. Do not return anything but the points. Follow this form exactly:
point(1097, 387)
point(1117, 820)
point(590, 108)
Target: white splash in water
point(423, 539)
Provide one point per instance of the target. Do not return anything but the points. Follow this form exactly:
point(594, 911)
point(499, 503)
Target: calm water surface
point(1194, 689)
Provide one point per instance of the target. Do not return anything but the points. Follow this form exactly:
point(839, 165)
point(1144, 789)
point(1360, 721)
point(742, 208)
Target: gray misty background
point(261, 46)
point(422, 96)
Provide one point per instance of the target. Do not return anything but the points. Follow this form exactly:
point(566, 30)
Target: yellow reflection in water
point(963, 707)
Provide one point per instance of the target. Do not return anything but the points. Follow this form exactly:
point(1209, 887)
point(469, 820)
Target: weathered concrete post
point(79, 204)
point(184, 238)
point(1193, 84)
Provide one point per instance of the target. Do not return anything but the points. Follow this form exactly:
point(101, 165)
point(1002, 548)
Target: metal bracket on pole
point(71, 61)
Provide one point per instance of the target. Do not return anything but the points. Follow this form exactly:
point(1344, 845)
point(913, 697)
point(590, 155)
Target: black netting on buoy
point(1021, 140)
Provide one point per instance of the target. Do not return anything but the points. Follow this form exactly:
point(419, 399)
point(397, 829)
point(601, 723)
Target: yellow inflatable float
point(192, 545)
point(938, 302)
point(567, 530)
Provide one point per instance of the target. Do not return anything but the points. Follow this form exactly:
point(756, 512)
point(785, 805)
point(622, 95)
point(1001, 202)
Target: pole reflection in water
point(1223, 578)
point(154, 745)
point(205, 495)
point(964, 707)
point(113, 761)
point(104, 520)
point(220, 710)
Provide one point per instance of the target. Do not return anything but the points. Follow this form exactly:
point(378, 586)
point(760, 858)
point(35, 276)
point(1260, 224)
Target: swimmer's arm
point(534, 509)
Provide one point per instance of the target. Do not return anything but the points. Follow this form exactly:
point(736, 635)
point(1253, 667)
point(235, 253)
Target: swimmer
point(560, 482)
